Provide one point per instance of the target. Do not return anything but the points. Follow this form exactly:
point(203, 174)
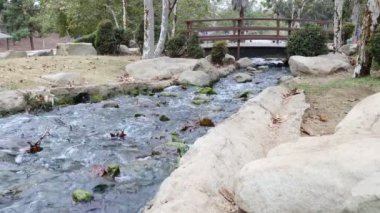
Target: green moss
point(113, 170)
point(182, 148)
point(97, 98)
point(200, 101)
point(218, 52)
point(64, 101)
point(164, 118)
point(176, 138)
point(80, 195)
point(207, 91)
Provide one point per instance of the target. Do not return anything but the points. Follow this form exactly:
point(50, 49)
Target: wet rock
point(12, 101)
point(197, 78)
point(80, 195)
point(113, 170)
point(164, 118)
point(244, 63)
point(111, 104)
point(101, 188)
point(64, 49)
point(242, 78)
point(207, 91)
point(206, 122)
point(137, 115)
point(244, 94)
point(228, 59)
point(251, 69)
point(65, 79)
point(200, 100)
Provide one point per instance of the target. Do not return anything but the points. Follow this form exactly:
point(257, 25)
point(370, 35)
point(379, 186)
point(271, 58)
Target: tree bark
point(148, 49)
point(338, 24)
point(164, 28)
point(355, 15)
point(31, 41)
point(124, 14)
point(175, 18)
point(371, 15)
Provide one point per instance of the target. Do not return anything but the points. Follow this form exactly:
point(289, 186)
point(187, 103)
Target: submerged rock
point(113, 170)
point(164, 118)
point(111, 104)
point(242, 78)
point(200, 100)
point(81, 195)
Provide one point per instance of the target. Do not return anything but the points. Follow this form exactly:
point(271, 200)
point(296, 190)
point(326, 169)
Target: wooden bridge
point(243, 32)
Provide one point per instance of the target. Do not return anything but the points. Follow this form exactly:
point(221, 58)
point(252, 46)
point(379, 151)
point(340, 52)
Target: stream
point(80, 138)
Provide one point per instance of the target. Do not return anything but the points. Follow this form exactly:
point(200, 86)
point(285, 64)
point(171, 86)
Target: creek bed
point(79, 138)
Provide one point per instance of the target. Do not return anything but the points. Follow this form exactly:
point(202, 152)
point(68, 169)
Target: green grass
point(369, 82)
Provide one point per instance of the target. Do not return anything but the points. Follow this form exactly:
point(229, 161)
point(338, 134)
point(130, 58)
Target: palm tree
point(240, 5)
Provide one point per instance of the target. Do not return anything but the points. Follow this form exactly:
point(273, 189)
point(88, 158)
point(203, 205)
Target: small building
point(7, 37)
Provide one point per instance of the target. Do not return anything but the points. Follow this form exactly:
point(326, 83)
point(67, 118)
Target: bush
point(90, 38)
point(123, 36)
point(194, 49)
point(218, 52)
point(176, 46)
point(374, 47)
point(308, 41)
point(347, 31)
point(105, 41)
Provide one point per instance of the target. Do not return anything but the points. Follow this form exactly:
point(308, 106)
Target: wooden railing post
point(278, 30)
point(189, 28)
point(238, 39)
point(289, 26)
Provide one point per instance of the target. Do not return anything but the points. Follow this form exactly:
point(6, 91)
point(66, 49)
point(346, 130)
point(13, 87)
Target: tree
point(338, 24)
point(19, 17)
point(371, 16)
point(164, 28)
point(124, 14)
point(148, 49)
point(240, 5)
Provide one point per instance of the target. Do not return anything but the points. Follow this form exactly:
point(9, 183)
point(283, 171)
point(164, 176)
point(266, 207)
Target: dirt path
point(331, 98)
point(22, 73)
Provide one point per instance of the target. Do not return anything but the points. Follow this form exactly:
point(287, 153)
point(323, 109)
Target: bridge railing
point(243, 29)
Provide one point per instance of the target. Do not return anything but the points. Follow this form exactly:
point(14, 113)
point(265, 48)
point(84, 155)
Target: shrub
point(90, 38)
point(123, 36)
point(374, 47)
point(105, 41)
point(194, 49)
point(218, 52)
point(308, 41)
point(176, 46)
point(347, 31)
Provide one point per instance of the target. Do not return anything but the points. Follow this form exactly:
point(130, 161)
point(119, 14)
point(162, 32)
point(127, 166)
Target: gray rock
point(111, 104)
point(65, 79)
point(349, 49)
point(124, 50)
point(242, 78)
point(197, 78)
point(12, 101)
point(228, 59)
point(162, 68)
point(319, 65)
point(39, 53)
point(133, 44)
point(80, 49)
point(14, 54)
point(244, 63)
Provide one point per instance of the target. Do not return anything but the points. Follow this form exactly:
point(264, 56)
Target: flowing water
point(79, 138)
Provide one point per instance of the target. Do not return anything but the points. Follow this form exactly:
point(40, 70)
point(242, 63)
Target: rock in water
point(113, 170)
point(244, 63)
point(242, 78)
point(111, 104)
point(164, 118)
point(196, 78)
point(81, 195)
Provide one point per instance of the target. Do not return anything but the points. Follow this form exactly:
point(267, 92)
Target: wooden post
point(289, 26)
point(7, 43)
point(238, 39)
point(189, 28)
point(278, 30)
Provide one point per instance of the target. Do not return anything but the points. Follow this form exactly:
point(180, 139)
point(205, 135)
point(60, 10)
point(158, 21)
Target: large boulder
point(38, 53)
point(336, 173)
point(65, 79)
point(197, 78)
point(319, 65)
point(79, 49)
point(244, 63)
point(242, 78)
point(124, 50)
point(159, 68)
point(11, 101)
point(14, 54)
point(214, 72)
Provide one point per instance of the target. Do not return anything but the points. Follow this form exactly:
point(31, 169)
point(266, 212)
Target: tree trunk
point(175, 18)
point(371, 15)
point(355, 16)
point(31, 41)
point(148, 49)
point(124, 14)
point(164, 28)
point(113, 15)
point(338, 24)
